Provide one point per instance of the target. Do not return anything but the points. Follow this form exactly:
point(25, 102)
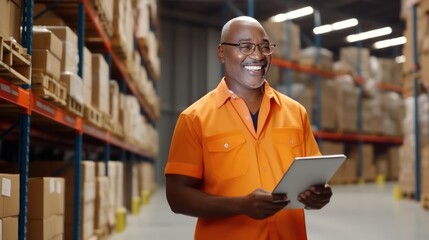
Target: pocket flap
point(288, 136)
point(225, 142)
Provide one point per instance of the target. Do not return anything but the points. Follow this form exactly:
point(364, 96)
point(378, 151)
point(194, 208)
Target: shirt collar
point(223, 93)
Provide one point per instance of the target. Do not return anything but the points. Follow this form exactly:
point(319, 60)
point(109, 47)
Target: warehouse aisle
point(356, 212)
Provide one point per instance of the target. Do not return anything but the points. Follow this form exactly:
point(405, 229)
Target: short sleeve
point(186, 156)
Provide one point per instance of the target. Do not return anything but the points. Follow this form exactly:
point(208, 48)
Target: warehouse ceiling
point(371, 14)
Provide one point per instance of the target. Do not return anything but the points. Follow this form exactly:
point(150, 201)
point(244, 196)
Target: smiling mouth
point(253, 68)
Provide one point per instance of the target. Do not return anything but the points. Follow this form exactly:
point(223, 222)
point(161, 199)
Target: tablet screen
point(305, 172)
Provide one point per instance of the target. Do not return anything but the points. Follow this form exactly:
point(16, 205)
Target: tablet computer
point(305, 172)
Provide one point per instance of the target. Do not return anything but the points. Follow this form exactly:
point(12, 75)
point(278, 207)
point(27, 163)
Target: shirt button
point(226, 145)
point(247, 117)
point(234, 96)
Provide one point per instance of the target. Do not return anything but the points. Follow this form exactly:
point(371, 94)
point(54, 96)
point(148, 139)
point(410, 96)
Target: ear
point(220, 53)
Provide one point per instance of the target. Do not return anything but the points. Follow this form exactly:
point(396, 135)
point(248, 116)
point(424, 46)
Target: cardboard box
point(74, 86)
point(46, 62)
point(45, 229)
point(65, 34)
point(70, 60)
point(45, 197)
point(45, 39)
point(4, 18)
point(87, 76)
point(100, 83)
point(114, 100)
point(287, 38)
point(9, 228)
point(9, 195)
point(14, 9)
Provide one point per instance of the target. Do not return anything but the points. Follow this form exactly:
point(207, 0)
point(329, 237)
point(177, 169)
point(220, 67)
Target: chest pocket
point(227, 156)
point(289, 142)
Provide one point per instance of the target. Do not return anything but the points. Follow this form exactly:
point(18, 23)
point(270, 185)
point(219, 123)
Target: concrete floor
point(356, 212)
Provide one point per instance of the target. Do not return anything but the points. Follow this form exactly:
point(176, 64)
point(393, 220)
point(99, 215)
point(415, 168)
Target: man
point(231, 147)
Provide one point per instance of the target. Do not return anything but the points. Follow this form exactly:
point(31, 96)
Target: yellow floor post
point(380, 179)
point(121, 219)
point(135, 205)
point(145, 197)
point(397, 195)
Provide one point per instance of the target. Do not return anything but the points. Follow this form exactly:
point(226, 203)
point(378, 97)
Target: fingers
point(263, 204)
point(316, 196)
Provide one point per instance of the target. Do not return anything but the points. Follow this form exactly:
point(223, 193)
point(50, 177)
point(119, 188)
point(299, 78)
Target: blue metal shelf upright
point(24, 126)
point(416, 105)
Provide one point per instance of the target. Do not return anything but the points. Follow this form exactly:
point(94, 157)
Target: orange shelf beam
point(328, 74)
point(390, 87)
point(354, 137)
point(14, 94)
point(107, 137)
point(301, 68)
point(54, 113)
point(120, 143)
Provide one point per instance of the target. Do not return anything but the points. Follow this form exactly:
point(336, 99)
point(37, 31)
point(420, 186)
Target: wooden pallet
point(407, 195)
point(15, 64)
point(107, 122)
point(424, 201)
point(93, 116)
point(118, 130)
point(49, 89)
point(74, 106)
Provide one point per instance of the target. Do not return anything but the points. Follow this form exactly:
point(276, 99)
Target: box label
point(1, 229)
point(59, 190)
point(6, 187)
point(51, 186)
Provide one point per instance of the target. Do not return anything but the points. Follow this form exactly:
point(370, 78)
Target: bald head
point(243, 20)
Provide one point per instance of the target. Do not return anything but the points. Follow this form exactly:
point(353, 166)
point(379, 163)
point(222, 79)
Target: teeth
point(253, 68)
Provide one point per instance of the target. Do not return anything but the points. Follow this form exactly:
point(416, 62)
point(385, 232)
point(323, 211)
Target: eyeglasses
point(248, 48)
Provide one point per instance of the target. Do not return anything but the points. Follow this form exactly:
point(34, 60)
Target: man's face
point(241, 70)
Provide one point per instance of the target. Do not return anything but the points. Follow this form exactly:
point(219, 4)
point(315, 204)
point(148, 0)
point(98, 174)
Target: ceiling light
point(370, 34)
point(400, 59)
point(336, 26)
point(292, 14)
point(390, 42)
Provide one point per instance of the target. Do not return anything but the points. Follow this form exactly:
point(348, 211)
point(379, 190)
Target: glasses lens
point(247, 48)
point(266, 49)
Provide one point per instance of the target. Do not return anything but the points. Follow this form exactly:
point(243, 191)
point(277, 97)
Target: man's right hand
point(261, 204)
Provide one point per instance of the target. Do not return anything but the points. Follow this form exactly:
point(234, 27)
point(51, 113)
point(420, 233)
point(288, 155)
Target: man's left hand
point(316, 197)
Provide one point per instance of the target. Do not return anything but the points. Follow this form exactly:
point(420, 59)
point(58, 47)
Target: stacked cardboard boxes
point(10, 19)
point(9, 206)
point(45, 208)
point(123, 31)
point(287, 38)
point(87, 201)
point(407, 160)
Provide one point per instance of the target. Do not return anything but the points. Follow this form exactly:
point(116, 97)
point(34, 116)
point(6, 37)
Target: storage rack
point(20, 106)
point(358, 137)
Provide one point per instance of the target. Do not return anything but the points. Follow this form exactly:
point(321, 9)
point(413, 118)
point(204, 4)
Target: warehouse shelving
point(47, 112)
point(19, 106)
point(321, 135)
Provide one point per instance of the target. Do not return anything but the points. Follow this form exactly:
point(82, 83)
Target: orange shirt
point(215, 141)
